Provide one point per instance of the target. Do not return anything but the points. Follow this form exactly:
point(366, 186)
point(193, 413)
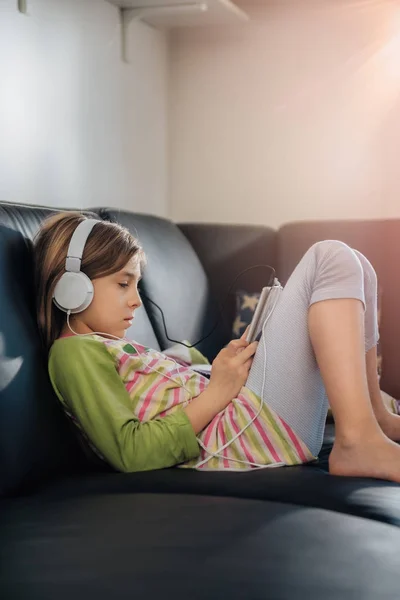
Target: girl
point(139, 410)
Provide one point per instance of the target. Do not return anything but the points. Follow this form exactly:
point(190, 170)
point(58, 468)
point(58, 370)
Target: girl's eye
point(124, 285)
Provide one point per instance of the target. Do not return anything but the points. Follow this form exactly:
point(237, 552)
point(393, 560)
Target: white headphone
point(74, 291)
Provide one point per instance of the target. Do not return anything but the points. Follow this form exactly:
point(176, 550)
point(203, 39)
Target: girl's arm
point(85, 380)
point(206, 406)
point(229, 372)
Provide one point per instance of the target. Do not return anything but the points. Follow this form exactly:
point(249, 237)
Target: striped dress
point(267, 441)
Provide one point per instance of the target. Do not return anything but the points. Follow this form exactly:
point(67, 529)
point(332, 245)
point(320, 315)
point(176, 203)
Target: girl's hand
point(231, 367)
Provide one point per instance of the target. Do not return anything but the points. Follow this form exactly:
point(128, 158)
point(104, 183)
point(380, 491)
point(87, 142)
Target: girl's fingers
point(243, 336)
point(249, 351)
point(239, 343)
point(248, 363)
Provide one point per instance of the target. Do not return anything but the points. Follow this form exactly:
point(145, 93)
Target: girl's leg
point(337, 334)
point(389, 423)
point(362, 319)
point(361, 449)
point(315, 347)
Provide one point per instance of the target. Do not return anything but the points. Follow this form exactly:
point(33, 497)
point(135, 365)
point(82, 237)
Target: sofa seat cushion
point(304, 486)
point(308, 485)
point(178, 546)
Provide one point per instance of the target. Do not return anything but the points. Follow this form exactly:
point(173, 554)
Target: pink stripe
point(148, 398)
point(178, 371)
point(139, 347)
point(263, 435)
point(137, 375)
point(210, 430)
point(176, 401)
point(203, 384)
point(294, 439)
point(178, 397)
point(149, 366)
point(123, 360)
point(133, 382)
point(223, 440)
point(164, 379)
point(231, 414)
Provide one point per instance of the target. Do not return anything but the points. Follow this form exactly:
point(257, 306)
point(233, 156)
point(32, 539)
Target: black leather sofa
point(73, 529)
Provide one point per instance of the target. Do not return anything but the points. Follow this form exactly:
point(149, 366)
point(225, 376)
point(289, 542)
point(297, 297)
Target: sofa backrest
point(227, 251)
point(35, 438)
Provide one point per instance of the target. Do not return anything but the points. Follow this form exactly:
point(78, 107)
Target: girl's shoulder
point(75, 345)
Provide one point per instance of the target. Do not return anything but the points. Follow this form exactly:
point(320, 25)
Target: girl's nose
point(136, 301)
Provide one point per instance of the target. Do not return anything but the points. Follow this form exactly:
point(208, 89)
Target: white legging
point(293, 383)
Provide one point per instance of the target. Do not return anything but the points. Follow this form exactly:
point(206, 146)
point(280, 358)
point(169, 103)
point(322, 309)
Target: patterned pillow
point(245, 306)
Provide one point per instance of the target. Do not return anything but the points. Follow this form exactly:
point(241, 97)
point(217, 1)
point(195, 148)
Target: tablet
point(266, 304)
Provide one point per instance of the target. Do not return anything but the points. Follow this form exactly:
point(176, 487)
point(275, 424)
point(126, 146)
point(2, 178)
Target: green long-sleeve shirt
point(85, 379)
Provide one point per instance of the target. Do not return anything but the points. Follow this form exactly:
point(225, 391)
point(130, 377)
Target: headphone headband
point(77, 245)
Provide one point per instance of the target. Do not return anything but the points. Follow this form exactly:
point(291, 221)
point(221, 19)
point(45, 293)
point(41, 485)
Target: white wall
point(78, 126)
point(295, 115)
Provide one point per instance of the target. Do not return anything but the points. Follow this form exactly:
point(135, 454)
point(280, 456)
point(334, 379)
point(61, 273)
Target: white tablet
point(266, 304)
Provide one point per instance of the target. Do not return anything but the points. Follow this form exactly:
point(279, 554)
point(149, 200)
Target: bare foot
point(390, 425)
point(376, 457)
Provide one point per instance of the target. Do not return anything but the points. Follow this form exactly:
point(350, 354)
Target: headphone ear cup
point(73, 292)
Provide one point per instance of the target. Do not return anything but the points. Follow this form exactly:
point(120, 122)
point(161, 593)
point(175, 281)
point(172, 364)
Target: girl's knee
point(369, 271)
point(336, 250)
point(330, 247)
point(337, 254)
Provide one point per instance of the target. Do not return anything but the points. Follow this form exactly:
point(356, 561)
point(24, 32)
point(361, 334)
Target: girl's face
point(114, 303)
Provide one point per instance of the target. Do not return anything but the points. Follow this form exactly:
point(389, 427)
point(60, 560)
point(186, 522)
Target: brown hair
point(107, 250)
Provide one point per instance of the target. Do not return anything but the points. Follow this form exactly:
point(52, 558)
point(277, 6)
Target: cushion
point(154, 545)
point(246, 303)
